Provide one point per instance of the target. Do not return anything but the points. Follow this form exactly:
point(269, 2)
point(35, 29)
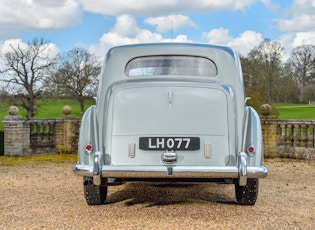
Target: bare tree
point(287, 90)
point(302, 62)
point(264, 66)
point(25, 67)
point(77, 74)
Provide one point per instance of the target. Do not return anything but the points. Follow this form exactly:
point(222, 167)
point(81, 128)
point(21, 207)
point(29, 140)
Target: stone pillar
point(16, 135)
point(271, 136)
point(67, 132)
point(270, 131)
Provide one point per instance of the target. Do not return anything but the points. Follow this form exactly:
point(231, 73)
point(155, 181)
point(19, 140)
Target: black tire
point(248, 194)
point(94, 195)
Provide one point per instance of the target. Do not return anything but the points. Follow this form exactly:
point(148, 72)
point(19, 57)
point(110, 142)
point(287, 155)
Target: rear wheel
point(94, 194)
point(247, 195)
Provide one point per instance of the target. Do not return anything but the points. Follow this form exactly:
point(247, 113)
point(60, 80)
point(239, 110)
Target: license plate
point(169, 143)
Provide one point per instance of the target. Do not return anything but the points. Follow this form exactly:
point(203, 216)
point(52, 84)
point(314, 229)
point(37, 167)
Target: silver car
point(170, 112)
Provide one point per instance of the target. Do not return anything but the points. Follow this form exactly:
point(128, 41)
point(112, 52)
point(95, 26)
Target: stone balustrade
point(289, 138)
point(26, 137)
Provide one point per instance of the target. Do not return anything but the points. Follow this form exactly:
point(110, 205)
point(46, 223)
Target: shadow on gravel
point(162, 194)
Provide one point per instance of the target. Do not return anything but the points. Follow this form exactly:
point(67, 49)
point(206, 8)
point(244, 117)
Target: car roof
point(225, 58)
point(172, 47)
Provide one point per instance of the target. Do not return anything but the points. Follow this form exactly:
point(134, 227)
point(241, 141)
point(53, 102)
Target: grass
point(47, 108)
point(53, 108)
point(295, 111)
point(51, 158)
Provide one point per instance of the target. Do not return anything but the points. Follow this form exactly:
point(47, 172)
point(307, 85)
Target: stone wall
point(289, 138)
point(40, 136)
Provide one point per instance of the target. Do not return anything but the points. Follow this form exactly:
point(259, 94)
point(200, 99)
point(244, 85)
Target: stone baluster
point(304, 135)
point(283, 135)
point(290, 134)
point(297, 135)
point(311, 142)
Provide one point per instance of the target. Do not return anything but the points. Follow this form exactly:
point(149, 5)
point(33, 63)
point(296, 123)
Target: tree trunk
point(81, 100)
point(30, 110)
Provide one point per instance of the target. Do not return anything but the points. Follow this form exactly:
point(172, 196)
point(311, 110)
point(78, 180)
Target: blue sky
point(100, 24)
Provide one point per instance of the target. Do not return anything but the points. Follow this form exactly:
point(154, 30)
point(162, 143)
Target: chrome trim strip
point(136, 171)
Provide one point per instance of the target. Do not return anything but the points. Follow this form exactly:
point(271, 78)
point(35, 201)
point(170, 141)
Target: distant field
point(47, 109)
point(295, 111)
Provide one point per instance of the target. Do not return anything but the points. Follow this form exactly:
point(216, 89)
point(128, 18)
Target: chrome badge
point(170, 99)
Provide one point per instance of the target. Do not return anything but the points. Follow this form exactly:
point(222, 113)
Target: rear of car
point(171, 112)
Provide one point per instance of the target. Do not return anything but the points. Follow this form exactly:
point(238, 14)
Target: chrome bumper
point(115, 171)
point(242, 171)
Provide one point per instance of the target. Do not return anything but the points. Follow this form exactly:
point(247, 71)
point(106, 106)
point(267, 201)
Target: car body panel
point(167, 110)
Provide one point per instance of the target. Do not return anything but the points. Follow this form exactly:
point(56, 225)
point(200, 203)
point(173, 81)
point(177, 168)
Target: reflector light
point(251, 149)
point(88, 148)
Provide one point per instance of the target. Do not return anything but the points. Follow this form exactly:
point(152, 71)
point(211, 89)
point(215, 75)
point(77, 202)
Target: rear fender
point(88, 136)
point(253, 137)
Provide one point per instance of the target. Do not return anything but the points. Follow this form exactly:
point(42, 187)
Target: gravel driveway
point(50, 196)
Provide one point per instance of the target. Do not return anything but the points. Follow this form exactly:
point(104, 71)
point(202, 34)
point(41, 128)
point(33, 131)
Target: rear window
point(171, 65)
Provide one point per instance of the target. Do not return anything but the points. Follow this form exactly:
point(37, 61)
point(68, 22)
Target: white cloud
point(162, 7)
point(120, 34)
point(304, 38)
point(114, 39)
point(297, 21)
point(127, 31)
point(299, 16)
point(59, 14)
point(246, 41)
point(295, 39)
point(218, 36)
point(171, 22)
point(242, 44)
point(126, 25)
point(6, 46)
point(38, 14)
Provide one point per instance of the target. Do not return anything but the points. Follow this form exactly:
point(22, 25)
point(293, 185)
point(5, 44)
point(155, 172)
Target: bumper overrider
point(242, 171)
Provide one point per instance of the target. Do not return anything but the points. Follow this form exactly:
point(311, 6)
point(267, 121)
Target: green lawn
point(295, 111)
point(53, 108)
point(47, 108)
